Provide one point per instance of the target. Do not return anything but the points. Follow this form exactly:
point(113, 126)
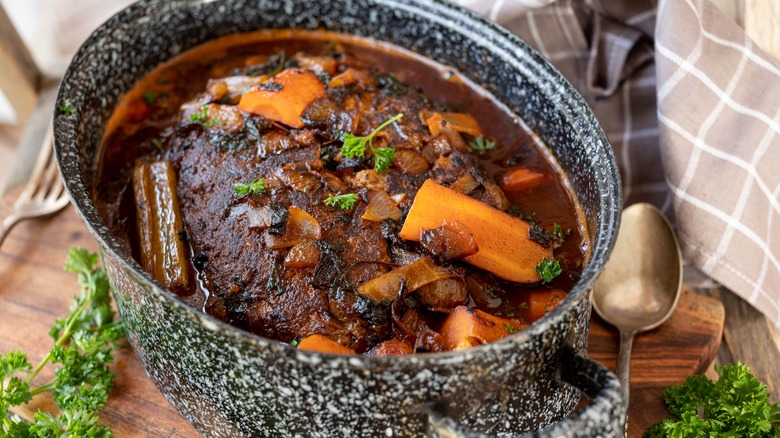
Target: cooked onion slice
point(449, 241)
point(416, 274)
point(302, 255)
point(409, 161)
point(465, 184)
point(381, 207)
point(301, 226)
point(443, 295)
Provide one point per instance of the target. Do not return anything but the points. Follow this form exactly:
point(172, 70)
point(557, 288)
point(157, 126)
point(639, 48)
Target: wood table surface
point(34, 290)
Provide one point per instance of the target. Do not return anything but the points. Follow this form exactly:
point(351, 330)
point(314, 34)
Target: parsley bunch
point(737, 405)
point(355, 146)
point(84, 342)
point(344, 202)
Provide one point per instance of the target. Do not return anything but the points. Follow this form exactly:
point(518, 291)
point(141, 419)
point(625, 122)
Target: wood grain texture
point(35, 290)
point(685, 345)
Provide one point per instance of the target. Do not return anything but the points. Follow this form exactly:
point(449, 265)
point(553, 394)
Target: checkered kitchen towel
point(692, 109)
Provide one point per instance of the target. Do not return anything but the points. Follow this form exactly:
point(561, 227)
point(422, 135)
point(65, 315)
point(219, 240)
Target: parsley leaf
point(84, 342)
point(150, 97)
point(736, 405)
point(355, 146)
point(481, 145)
point(256, 187)
point(548, 269)
point(344, 202)
point(558, 231)
point(66, 109)
point(202, 118)
point(511, 329)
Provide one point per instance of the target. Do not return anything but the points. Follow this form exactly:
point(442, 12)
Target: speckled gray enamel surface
point(229, 383)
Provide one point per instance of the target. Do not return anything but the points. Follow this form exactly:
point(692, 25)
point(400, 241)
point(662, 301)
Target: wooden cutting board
point(34, 290)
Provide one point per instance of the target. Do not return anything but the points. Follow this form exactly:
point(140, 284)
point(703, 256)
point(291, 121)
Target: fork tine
point(56, 189)
point(44, 157)
point(50, 176)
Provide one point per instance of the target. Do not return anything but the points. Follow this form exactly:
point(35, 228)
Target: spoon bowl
point(641, 283)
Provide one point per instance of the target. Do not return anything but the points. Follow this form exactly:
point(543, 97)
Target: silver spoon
point(641, 283)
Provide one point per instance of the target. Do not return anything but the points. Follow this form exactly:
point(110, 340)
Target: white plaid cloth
point(692, 109)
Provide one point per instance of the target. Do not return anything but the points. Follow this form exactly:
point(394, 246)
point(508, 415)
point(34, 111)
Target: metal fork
point(44, 193)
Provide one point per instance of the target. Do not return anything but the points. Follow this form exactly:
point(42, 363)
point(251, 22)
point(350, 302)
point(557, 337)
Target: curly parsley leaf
point(355, 146)
point(202, 118)
point(84, 342)
point(344, 202)
point(150, 97)
point(548, 269)
point(736, 405)
point(66, 109)
point(256, 187)
point(481, 145)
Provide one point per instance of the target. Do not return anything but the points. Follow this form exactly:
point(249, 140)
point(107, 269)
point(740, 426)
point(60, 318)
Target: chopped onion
point(449, 241)
point(267, 216)
point(443, 295)
point(302, 255)
point(415, 275)
point(381, 207)
point(301, 226)
point(409, 161)
point(302, 180)
point(274, 143)
point(465, 184)
point(495, 195)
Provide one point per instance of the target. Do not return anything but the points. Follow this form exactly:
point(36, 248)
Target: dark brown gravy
point(152, 107)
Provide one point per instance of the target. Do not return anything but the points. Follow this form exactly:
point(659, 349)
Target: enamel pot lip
point(522, 59)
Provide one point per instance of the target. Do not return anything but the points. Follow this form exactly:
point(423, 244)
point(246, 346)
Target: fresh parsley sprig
point(256, 187)
point(548, 269)
point(66, 109)
point(355, 146)
point(202, 118)
point(84, 342)
point(481, 145)
point(344, 202)
point(736, 405)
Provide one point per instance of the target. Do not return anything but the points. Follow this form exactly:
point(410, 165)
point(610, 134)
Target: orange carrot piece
point(521, 178)
point(466, 328)
point(504, 247)
point(393, 347)
point(284, 97)
point(323, 344)
point(460, 122)
point(542, 301)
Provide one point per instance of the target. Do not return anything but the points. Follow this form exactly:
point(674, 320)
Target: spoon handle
point(623, 370)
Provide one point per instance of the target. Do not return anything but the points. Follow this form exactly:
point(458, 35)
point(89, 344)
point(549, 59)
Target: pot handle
point(605, 416)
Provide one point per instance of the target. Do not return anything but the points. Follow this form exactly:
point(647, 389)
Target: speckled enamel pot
point(229, 383)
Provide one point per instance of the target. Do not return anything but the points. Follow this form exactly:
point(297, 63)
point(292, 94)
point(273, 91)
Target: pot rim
point(505, 45)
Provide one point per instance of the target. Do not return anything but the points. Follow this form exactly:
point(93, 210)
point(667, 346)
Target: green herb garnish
point(344, 202)
point(84, 342)
point(737, 405)
point(481, 145)
point(558, 231)
point(256, 187)
point(511, 329)
point(548, 269)
point(202, 118)
point(355, 146)
point(150, 97)
point(295, 342)
point(66, 109)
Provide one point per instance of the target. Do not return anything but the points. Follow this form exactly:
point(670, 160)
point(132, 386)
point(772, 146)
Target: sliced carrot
point(393, 347)
point(460, 122)
point(504, 247)
point(284, 97)
point(521, 178)
point(323, 344)
point(466, 328)
point(542, 301)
